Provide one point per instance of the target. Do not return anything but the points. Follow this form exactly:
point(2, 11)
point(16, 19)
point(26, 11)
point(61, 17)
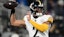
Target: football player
point(37, 23)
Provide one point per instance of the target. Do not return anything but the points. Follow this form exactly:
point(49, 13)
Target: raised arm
point(13, 20)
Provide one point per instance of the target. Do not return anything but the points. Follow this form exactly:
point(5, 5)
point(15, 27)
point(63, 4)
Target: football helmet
point(36, 4)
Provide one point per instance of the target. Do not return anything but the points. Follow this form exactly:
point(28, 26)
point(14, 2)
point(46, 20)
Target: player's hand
point(28, 15)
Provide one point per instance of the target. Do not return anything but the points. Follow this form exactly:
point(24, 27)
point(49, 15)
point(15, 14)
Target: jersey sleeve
point(47, 18)
point(24, 18)
point(50, 19)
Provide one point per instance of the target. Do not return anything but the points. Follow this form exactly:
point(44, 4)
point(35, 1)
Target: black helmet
point(36, 4)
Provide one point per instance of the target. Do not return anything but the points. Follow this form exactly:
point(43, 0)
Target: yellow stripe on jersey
point(41, 27)
point(50, 19)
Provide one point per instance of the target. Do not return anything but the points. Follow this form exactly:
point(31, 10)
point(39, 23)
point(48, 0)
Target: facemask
point(36, 15)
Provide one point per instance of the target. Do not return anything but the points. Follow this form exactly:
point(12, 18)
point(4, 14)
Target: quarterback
point(37, 23)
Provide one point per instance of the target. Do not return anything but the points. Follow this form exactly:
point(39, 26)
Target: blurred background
point(53, 7)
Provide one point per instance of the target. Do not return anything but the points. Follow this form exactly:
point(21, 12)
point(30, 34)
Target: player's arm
point(52, 28)
point(13, 20)
point(42, 27)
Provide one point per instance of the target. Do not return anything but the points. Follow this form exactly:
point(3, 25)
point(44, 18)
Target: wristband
point(12, 11)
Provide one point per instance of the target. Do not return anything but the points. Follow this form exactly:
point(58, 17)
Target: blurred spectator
point(57, 7)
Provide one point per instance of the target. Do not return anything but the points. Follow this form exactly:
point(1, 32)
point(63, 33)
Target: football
point(10, 4)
